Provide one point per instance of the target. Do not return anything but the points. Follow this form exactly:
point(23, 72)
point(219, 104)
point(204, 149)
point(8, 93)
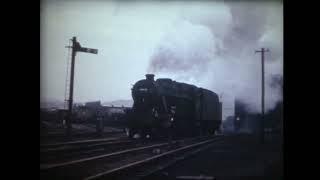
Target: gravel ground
point(238, 158)
point(55, 133)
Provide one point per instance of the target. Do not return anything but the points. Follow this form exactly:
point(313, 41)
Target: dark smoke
point(178, 53)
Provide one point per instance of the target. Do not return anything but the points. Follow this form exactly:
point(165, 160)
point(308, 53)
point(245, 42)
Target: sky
point(210, 44)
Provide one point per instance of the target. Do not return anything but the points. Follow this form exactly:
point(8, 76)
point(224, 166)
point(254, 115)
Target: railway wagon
point(166, 108)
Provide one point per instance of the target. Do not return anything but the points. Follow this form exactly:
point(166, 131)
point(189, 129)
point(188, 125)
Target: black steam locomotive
point(165, 108)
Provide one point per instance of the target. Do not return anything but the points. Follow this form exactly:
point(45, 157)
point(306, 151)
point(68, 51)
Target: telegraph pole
point(76, 47)
point(262, 51)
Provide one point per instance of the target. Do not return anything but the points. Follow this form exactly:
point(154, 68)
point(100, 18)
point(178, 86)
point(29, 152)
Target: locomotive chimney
point(150, 77)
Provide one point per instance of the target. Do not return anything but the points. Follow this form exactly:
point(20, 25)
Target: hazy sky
point(210, 44)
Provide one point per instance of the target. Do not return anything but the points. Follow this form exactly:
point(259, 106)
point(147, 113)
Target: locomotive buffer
point(76, 47)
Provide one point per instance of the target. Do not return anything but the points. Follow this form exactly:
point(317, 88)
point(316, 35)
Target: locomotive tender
point(166, 108)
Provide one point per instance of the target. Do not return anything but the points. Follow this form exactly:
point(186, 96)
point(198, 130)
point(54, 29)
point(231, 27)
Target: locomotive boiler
point(166, 108)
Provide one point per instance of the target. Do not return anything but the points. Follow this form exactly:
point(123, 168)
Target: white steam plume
point(213, 46)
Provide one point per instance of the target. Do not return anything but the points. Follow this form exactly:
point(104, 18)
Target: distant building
point(244, 120)
point(274, 118)
point(91, 110)
point(228, 124)
point(248, 122)
point(276, 81)
point(94, 104)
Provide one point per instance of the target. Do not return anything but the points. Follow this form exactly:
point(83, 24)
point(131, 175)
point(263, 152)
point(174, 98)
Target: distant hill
point(60, 104)
point(52, 104)
point(55, 104)
point(125, 103)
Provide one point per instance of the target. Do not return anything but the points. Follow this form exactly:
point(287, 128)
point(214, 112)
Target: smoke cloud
point(213, 46)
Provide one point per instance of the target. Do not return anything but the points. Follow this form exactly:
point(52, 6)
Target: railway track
point(125, 161)
point(71, 152)
point(79, 142)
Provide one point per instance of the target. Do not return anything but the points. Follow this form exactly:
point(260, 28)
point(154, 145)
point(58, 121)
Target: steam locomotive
point(166, 108)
